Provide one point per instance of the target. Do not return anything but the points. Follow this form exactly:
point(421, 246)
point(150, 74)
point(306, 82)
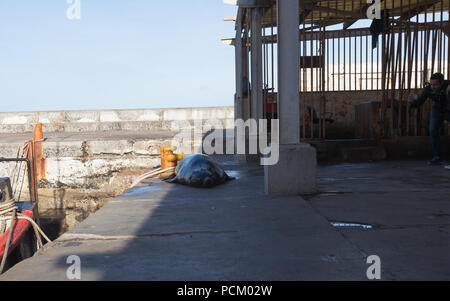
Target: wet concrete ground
point(407, 203)
point(399, 211)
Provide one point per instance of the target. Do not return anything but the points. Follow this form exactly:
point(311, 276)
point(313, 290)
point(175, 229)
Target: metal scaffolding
point(342, 50)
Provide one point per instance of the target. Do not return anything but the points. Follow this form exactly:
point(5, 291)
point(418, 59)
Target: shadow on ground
point(162, 231)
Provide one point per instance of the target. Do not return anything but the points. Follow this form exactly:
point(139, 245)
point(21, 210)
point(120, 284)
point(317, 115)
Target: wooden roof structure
point(329, 12)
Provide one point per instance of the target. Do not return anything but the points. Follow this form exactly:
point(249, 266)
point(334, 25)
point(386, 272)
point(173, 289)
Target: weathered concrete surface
point(295, 172)
point(111, 120)
point(94, 161)
point(366, 150)
point(234, 232)
point(414, 147)
point(407, 203)
point(345, 150)
point(340, 106)
point(166, 231)
point(82, 170)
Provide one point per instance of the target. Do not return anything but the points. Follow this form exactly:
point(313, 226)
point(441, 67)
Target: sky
point(120, 54)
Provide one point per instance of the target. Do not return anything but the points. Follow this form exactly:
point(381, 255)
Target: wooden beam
point(304, 15)
point(349, 23)
point(356, 15)
point(228, 42)
point(255, 3)
point(317, 35)
point(413, 12)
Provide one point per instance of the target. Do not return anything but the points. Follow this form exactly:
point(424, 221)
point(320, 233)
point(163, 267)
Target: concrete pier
point(98, 154)
point(162, 231)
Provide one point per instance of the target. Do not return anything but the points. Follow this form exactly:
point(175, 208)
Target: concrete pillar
point(238, 100)
point(295, 171)
point(238, 108)
point(256, 64)
point(256, 81)
point(288, 71)
point(245, 72)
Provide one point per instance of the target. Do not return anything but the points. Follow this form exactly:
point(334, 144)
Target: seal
point(199, 170)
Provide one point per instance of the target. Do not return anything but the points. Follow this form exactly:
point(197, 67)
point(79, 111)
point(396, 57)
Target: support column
point(256, 64)
point(238, 105)
point(288, 71)
point(239, 112)
point(256, 82)
point(295, 171)
point(245, 73)
point(245, 100)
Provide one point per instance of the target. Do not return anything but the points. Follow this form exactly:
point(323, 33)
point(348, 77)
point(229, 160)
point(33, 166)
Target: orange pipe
point(37, 134)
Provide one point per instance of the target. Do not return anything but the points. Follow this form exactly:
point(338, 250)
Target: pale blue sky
point(121, 54)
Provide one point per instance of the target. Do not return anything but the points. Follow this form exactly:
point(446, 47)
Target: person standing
point(437, 91)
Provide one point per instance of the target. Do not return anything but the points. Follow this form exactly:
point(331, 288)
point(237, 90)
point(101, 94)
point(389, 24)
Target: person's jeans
point(436, 122)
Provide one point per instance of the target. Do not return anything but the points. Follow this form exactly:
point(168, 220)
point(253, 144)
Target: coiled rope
point(8, 211)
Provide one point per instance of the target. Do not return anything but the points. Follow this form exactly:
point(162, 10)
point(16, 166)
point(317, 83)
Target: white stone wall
point(107, 120)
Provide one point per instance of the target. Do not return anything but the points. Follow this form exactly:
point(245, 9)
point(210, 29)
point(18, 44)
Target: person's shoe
point(435, 161)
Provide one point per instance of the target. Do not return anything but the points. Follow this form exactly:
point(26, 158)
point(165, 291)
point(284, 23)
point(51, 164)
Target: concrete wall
point(341, 104)
point(109, 120)
point(106, 143)
point(93, 164)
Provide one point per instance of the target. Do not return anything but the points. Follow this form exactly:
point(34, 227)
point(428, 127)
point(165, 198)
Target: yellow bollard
point(169, 159)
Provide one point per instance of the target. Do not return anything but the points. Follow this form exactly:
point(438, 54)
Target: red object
point(20, 228)
point(271, 107)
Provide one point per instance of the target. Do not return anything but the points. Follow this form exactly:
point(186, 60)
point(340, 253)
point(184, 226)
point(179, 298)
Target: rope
point(151, 174)
point(8, 211)
point(16, 176)
point(27, 150)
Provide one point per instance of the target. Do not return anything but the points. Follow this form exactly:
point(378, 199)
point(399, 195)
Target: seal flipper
point(208, 182)
point(172, 180)
point(229, 178)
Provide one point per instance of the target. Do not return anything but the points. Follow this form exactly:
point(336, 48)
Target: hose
point(150, 174)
